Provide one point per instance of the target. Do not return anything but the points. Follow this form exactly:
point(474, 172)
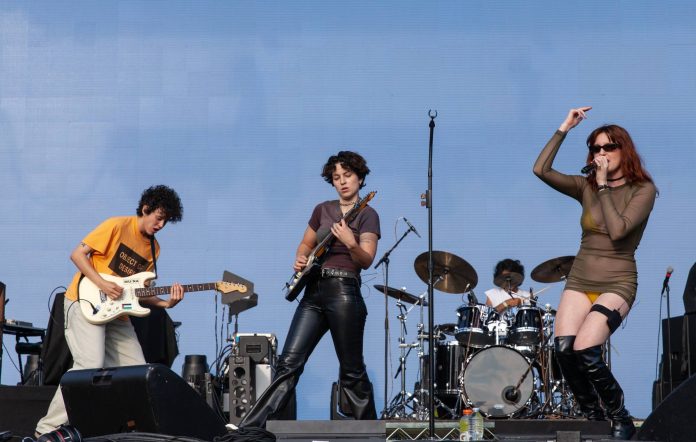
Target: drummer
point(507, 276)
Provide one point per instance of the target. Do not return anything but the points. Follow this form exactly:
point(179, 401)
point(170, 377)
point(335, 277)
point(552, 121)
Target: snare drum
point(471, 330)
point(498, 325)
point(528, 326)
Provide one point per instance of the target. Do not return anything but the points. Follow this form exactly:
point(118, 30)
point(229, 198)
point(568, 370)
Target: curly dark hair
point(161, 197)
point(511, 265)
point(352, 161)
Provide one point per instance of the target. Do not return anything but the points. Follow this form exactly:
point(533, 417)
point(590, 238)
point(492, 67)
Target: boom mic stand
point(385, 260)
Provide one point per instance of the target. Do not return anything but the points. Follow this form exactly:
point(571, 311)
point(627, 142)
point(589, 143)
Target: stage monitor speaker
point(690, 291)
point(673, 419)
point(144, 398)
point(340, 408)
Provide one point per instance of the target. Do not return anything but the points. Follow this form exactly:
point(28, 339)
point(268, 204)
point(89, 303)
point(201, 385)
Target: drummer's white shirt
point(497, 296)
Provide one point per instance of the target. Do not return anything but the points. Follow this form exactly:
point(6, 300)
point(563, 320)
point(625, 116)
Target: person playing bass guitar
point(332, 299)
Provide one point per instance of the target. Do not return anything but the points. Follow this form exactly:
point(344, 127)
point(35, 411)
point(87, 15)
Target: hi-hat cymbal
point(508, 280)
point(455, 274)
point(400, 295)
point(553, 270)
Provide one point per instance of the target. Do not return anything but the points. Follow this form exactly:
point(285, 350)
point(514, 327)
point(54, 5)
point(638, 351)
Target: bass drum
point(490, 378)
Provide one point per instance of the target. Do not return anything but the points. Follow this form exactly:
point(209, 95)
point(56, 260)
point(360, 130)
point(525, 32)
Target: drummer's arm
point(502, 307)
point(513, 302)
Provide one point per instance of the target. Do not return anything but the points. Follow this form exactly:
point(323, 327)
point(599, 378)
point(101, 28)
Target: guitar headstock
point(360, 205)
point(228, 287)
point(363, 202)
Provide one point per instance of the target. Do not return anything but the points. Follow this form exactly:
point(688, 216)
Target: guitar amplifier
point(260, 347)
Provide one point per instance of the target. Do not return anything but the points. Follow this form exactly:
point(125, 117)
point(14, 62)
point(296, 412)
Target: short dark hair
point(352, 161)
point(511, 265)
point(161, 197)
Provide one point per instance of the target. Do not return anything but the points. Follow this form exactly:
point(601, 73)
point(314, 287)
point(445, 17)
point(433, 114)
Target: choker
point(615, 179)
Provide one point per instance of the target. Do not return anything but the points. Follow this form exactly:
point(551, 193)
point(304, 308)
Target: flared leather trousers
point(329, 304)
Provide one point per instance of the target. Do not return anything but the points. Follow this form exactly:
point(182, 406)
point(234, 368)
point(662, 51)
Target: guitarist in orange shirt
point(332, 300)
point(120, 246)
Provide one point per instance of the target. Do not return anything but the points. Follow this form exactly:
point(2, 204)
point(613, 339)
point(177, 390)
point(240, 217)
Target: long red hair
point(632, 167)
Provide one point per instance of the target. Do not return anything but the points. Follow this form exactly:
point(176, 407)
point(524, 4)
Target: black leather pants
point(330, 304)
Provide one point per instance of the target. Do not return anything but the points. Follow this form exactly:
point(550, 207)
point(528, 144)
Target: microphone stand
point(665, 290)
point(428, 203)
point(385, 260)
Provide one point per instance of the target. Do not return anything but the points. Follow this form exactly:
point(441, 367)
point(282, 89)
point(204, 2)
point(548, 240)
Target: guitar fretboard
point(145, 292)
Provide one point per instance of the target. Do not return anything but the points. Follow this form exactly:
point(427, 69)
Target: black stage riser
point(22, 407)
point(329, 431)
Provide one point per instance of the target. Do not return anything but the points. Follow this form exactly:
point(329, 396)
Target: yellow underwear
point(592, 296)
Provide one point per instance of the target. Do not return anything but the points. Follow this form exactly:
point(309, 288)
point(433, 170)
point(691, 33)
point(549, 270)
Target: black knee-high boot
point(609, 390)
point(582, 389)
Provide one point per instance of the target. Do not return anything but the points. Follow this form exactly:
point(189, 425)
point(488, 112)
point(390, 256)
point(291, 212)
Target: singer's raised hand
point(574, 117)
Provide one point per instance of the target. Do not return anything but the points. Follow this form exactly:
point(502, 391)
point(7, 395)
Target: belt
point(338, 273)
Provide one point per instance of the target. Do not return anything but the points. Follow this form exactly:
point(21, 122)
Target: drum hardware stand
point(398, 405)
point(421, 411)
point(566, 404)
point(385, 259)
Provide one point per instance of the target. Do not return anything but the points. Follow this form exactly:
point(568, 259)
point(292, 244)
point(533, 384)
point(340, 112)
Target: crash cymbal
point(455, 274)
point(508, 280)
point(553, 270)
point(400, 295)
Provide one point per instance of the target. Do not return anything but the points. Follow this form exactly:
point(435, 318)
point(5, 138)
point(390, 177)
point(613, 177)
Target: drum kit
point(499, 361)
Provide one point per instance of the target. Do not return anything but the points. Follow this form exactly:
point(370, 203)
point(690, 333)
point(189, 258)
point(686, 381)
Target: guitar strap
point(154, 257)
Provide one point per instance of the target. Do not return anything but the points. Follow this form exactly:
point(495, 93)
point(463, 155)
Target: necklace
point(615, 179)
point(346, 204)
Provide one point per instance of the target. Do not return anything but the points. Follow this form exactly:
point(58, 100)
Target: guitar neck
point(145, 292)
point(347, 217)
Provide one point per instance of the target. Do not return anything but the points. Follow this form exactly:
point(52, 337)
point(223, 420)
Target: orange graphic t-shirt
point(119, 249)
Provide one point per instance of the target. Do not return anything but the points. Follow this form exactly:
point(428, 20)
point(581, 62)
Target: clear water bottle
point(476, 425)
point(466, 425)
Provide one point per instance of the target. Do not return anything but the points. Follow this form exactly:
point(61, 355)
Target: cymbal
point(508, 280)
point(456, 275)
point(400, 295)
point(553, 270)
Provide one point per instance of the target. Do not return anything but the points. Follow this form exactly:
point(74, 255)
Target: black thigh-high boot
point(609, 390)
point(582, 389)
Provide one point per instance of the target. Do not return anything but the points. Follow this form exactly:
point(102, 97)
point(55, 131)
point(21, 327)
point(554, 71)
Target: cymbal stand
point(385, 260)
point(398, 406)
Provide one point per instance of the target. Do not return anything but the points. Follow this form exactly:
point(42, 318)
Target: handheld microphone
point(589, 168)
point(665, 283)
point(410, 226)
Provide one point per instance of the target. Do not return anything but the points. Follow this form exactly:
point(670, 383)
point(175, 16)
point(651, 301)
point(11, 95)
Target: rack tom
point(471, 330)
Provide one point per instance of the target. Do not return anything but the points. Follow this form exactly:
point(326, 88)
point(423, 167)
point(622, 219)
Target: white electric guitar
point(100, 309)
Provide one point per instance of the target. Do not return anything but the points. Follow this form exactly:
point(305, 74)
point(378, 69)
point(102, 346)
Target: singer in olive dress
point(612, 224)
